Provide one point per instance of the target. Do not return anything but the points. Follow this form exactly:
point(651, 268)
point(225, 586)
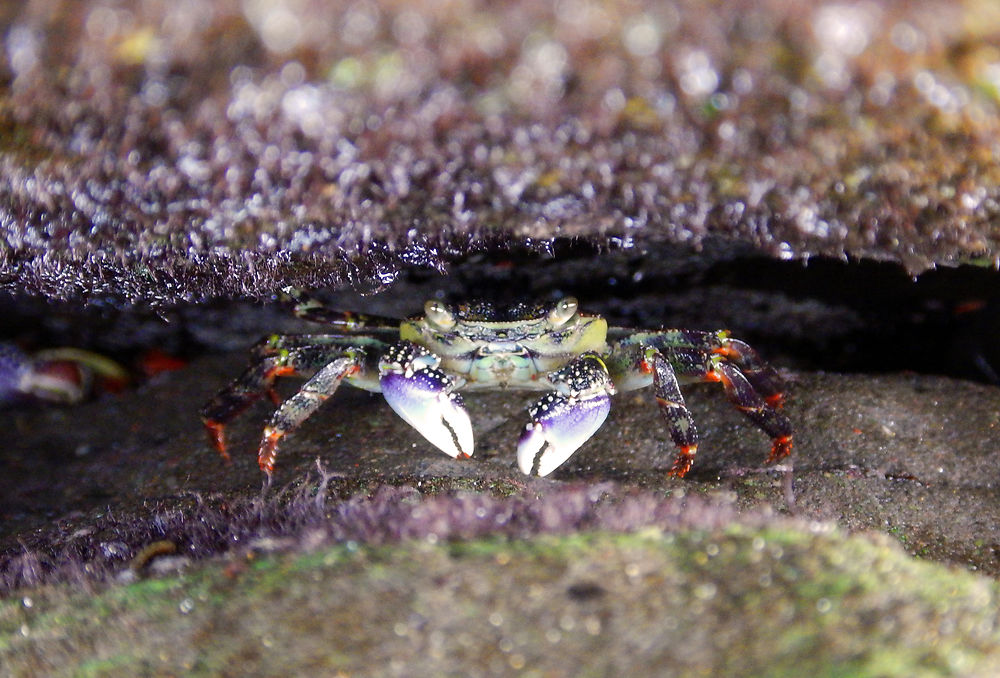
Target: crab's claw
point(565, 419)
point(558, 428)
point(425, 398)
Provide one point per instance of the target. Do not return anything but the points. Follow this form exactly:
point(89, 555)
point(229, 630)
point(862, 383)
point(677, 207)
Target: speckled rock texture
point(777, 603)
point(170, 151)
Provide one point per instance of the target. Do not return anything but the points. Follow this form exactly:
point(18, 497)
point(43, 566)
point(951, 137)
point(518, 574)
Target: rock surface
point(659, 161)
point(127, 487)
point(785, 601)
point(911, 455)
point(178, 151)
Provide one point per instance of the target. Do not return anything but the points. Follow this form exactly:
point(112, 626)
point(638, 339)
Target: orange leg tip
point(781, 447)
point(266, 461)
point(267, 453)
point(216, 434)
point(683, 462)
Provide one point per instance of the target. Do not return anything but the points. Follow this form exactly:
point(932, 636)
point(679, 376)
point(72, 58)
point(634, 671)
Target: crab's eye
point(563, 311)
point(439, 315)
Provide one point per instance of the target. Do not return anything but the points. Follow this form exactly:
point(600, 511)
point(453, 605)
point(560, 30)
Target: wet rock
point(89, 492)
point(170, 152)
point(749, 601)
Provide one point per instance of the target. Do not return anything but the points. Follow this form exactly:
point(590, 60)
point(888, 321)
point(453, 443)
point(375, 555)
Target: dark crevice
point(821, 315)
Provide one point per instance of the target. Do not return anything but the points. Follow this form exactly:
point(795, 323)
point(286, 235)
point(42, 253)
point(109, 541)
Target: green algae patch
point(785, 601)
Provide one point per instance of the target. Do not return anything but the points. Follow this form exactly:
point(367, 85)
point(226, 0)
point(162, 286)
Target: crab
point(421, 364)
point(64, 376)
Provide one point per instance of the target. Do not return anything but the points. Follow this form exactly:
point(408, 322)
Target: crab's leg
point(680, 423)
point(743, 395)
point(426, 398)
point(300, 406)
point(564, 419)
point(318, 345)
point(715, 367)
point(764, 379)
point(273, 357)
point(310, 308)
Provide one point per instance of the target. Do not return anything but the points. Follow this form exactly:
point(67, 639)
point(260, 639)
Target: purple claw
point(559, 426)
point(425, 398)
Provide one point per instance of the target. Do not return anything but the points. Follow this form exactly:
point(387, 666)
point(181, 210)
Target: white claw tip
point(532, 441)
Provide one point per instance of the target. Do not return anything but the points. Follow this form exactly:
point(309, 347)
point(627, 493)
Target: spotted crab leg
point(680, 423)
point(426, 398)
point(300, 406)
point(564, 419)
point(753, 386)
point(309, 308)
point(714, 367)
point(764, 379)
point(273, 357)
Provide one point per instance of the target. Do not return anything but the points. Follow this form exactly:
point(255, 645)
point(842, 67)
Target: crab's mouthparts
point(502, 348)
